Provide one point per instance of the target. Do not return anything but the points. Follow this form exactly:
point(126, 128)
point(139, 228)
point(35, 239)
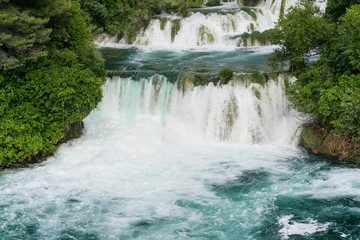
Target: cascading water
point(175, 152)
point(234, 112)
point(219, 26)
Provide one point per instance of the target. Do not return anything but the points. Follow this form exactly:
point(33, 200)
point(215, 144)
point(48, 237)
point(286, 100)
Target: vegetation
point(250, 12)
point(175, 28)
point(163, 22)
point(335, 9)
point(264, 38)
point(50, 71)
point(250, 3)
point(226, 73)
point(127, 17)
point(302, 33)
point(211, 3)
point(50, 76)
point(327, 89)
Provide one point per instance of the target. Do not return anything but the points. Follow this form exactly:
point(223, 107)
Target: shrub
point(212, 3)
point(251, 3)
point(226, 73)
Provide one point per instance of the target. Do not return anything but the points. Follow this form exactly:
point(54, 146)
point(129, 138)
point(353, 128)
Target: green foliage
point(249, 11)
point(126, 18)
point(264, 38)
point(250, 3)
point(163, 22)
point(212, 3)
point(349, 37)
point(24, 32)
point(226, 73)
point(42, 96)
point(335, 8)
point(252, 27)
point(22, 37)
point(329, 90)
point(282, 8)
point(245, 36)
point(175, 28)
point(258, 78)
point(301, 34)
point(205, 36)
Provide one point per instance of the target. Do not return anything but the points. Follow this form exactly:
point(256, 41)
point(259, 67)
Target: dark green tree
point(52, 81)
point(301, 33)
point(335, 8)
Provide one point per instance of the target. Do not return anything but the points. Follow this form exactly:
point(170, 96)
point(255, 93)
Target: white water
point(222, 27)
point(307, 228)
point(156, 163)
point(237, 114)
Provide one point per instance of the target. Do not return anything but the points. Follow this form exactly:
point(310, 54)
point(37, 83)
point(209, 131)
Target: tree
point(24, 31)
point(43, 94)
point(335, 8)
point(330, 89)
point(301, 33)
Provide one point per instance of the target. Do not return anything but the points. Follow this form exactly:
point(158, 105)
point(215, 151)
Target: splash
point(239, 112)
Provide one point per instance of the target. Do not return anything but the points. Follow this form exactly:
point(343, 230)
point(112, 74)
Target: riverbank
point(320, 141)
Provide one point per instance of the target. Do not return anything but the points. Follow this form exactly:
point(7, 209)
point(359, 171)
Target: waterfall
point(238, 112)
point(218, 26)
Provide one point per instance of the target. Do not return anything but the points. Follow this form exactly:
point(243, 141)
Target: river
point(163, 157)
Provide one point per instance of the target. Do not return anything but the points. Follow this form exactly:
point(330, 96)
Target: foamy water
point(153, 164)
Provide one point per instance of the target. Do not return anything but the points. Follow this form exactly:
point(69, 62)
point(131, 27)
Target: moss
point(163, 22)
point(252, 27)
point(212, 3)
point(226, 73)
point(233, 24)
point(175, 28)
point(131, 34)
point(185, 82)
point(256, 92)
point(250, 2)
point(262, 37)
point(204, 36)
point(258, 78)
point(249, 11)
point(245, 36)
point(282, 8)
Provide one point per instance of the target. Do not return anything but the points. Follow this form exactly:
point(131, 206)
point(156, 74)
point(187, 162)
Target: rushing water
point(144, 62)
point(164, 160)
point(216, 26)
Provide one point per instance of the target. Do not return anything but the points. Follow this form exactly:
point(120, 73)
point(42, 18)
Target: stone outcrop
point(320, 141)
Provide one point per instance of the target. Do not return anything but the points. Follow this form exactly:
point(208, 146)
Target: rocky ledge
point(320, 141)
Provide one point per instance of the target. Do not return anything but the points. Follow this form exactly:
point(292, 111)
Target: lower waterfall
point(236, 112)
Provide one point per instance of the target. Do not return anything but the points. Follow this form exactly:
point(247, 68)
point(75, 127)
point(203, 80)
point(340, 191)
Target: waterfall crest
point(217, 26)
point(238, 112)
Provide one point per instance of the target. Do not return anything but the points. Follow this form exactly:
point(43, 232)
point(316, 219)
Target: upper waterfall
point(217, 26)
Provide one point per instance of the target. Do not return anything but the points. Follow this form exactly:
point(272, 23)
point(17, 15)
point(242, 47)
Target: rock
point(320, 141)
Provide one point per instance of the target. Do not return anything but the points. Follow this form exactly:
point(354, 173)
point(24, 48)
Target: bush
point(212, 3)
point(329, 89)
point(45, 95)
point(250, 3)
point(226, 73)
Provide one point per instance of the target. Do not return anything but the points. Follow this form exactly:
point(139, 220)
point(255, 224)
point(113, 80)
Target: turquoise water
point(168, 172)
point(135, 62)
